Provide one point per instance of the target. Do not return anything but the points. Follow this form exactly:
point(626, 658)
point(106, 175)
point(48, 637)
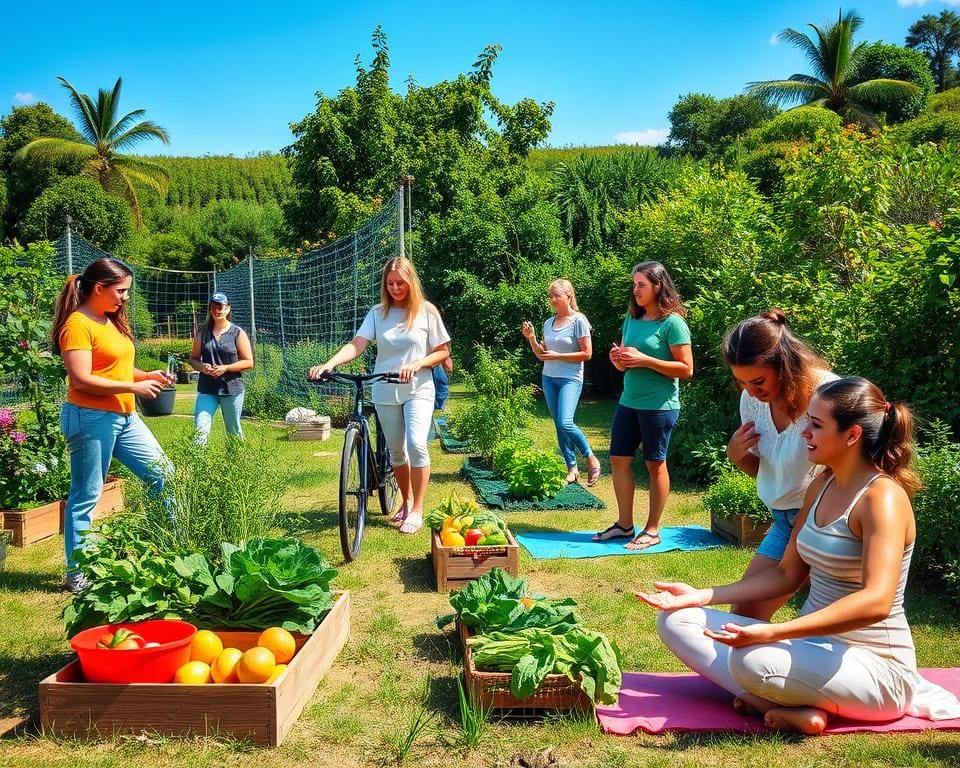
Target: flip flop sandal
point(615, 531)
point(645, 541)
point(409, 527)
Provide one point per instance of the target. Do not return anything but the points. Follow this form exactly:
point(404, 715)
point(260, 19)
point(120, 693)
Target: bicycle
point(364, 467)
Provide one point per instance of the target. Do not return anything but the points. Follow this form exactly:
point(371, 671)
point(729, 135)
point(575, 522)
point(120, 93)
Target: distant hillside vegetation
point(542, 160)
point(197, 181)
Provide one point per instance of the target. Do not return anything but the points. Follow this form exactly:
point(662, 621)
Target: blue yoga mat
point(550, 545)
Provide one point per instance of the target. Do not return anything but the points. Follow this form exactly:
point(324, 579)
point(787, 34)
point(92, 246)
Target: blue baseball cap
point(219, 298)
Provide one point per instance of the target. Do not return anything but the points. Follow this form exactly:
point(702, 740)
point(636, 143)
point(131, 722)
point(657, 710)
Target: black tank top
point(222, 351)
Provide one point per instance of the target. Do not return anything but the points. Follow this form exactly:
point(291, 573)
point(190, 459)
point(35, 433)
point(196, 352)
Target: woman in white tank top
point(849, 653)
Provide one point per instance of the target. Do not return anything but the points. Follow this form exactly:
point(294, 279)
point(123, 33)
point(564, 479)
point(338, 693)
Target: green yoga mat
point(493, 491)
point(448, 442)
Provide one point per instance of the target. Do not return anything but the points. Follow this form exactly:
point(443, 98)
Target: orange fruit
point(224, 667)
point(205, 647)
point(280, 642)
point(277, 671)
point(193, 673)
point(256, 665)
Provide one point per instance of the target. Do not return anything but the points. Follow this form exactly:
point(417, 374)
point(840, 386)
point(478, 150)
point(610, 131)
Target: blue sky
point(228, 78)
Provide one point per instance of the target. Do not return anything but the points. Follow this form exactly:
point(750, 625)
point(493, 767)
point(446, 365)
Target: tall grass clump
point(225, 491)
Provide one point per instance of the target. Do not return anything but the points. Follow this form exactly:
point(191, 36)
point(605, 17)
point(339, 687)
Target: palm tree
point(105, 136)
point(834, 83)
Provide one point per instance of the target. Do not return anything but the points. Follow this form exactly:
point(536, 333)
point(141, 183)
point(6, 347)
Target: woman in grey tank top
point(221, 352)
point(849, 653)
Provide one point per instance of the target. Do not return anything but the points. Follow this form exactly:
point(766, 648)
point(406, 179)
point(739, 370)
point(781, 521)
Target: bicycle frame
point(374, 457)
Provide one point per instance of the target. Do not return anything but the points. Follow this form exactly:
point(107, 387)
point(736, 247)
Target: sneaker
point(75, 582)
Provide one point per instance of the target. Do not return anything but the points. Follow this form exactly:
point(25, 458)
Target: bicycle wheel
point(389, 491)
point(353, 493)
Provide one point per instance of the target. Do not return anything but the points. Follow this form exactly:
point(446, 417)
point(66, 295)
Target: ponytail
point(103, 271)
point(67, 303)
point(887, 428)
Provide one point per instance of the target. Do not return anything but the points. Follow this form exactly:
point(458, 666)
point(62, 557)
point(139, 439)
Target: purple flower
point(6, 418)
point(24, 344)
point(18, 437)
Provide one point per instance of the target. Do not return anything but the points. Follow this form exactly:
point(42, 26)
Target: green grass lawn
point(397, 664)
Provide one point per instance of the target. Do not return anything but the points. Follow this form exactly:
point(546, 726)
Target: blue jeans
point(562, 396)
point(230, 405)
point(93, 438)
point(775, 542)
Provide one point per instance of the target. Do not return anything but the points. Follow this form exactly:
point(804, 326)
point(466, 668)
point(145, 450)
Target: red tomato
point(473, 537)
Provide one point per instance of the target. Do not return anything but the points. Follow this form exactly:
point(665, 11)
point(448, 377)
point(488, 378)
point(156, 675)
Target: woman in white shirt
point(778, 374)
point(411, 339)
point(566, 346)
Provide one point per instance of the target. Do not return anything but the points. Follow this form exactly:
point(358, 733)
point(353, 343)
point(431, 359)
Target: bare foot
point(808, 720)
point(745, 708)
point(573, 475)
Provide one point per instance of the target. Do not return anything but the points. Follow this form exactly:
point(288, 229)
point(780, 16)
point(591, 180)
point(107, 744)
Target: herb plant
point(735, 493)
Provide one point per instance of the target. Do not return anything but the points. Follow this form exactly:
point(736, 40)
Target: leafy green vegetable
point(535, 474)
point(587, 658)
point(494, 602)
point(268, 582)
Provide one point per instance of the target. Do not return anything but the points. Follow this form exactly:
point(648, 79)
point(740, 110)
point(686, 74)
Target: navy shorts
point(632, 426)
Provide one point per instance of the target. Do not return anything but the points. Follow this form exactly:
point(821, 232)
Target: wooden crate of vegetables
point(277, 586)
point(468, 542)
point(529, 654)
point(260, 713)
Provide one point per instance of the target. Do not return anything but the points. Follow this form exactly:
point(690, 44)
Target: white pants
point(841, 679)
point(406, 427)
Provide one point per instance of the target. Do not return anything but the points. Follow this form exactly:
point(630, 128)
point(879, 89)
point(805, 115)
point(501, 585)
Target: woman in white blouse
point(411, 339)
point(778, 374)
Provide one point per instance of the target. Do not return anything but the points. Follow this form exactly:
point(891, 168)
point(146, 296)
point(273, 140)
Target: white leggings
point(406, 427)
point(841, 679)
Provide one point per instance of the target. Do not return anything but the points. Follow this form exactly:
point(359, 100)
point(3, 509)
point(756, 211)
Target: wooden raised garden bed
point(260, 714)
point(455, 566)
point(30, 525)
point(492, 689)
point(739, 529)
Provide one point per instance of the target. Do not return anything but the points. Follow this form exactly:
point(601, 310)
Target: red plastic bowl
point(141, 665)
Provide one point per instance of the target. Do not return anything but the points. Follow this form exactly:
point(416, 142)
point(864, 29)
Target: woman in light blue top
point(566, 345)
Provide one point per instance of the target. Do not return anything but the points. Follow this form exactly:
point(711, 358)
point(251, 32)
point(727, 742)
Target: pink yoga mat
point(655, 703)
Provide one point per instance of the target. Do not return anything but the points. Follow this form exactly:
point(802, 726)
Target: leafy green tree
point(938, 38)
point(104, 137)
point(879, 61)
point(231, 228)
point(97, 217)
point(835, 83)
point(361, 141)
point(27, 178)
point(701, 124)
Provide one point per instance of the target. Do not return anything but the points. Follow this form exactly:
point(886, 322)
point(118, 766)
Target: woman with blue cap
point(221, 352)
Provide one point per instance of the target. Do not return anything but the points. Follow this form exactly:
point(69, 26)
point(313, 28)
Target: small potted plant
point(163, 403)
point(736, 512)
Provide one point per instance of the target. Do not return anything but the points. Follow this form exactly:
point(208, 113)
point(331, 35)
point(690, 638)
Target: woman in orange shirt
point(99, 419)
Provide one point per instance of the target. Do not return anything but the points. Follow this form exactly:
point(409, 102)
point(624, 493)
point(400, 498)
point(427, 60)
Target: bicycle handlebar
point(391, 377)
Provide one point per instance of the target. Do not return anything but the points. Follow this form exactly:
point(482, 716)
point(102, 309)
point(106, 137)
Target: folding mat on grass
point(493, 491)
point(551, 545)
point(448, 442)
point(656, 703)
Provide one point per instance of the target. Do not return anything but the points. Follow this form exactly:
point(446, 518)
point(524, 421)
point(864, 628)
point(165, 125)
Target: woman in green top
point(654, 353)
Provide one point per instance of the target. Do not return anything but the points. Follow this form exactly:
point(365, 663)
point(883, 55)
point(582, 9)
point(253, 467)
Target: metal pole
point(253, 321)
point(356, 288)
point(69, 245)
point(283, 336)
point(408, 180)
point(400, 223)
